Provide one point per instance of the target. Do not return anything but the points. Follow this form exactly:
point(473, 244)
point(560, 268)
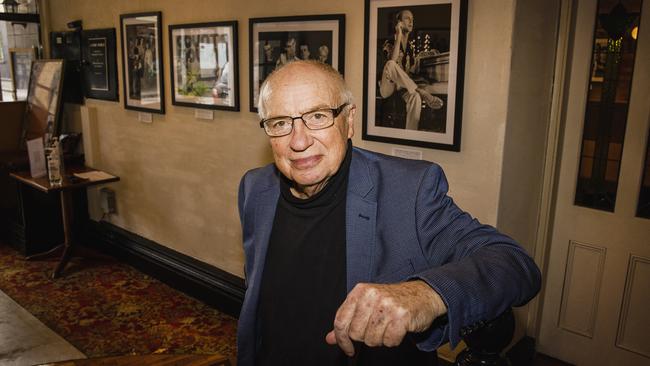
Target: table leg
point(66, 213)
point(54, 252)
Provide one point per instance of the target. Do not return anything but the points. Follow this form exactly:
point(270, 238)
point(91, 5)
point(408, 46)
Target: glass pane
point(19, 42)
point(19, 6)
point(643, 209)
point(613, 55)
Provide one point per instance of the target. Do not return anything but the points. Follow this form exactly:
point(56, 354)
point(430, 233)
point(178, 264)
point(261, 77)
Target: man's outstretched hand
point(381, 315)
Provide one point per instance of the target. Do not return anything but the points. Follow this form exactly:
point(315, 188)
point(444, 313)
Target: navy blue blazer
point(400, 225)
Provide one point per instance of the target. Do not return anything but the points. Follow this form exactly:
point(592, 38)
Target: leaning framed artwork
point(413, 72)
point(142, 62)
point(44, 99)
point(204, 66)
point(276, 41)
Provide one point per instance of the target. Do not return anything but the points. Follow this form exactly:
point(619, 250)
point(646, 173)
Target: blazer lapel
point(264, 217)
point(360, 222)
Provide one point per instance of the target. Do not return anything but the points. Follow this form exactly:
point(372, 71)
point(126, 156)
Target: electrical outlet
point(108, 202)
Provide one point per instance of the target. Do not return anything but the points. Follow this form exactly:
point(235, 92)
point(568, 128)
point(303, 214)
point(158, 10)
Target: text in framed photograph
point(276, 41)
point(20, 64)
point(204, 66)
point(99, 63)
point(413, 72)
point(142, 62)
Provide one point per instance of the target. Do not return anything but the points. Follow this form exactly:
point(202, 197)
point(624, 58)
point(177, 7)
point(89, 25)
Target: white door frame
point(552, 159)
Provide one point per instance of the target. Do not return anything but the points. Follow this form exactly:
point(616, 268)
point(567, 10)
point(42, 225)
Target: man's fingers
point(342, 324)
point(376, 327)
point(394, 333)
point(344, 341)
point(364, 310)
point(383, 314)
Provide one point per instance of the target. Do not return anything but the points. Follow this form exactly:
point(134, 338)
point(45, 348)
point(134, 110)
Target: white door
point(596, 302)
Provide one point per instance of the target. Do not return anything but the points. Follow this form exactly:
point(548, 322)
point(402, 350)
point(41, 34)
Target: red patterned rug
point(104, 307)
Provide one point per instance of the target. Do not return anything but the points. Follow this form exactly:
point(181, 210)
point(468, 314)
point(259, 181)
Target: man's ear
point(350, 119)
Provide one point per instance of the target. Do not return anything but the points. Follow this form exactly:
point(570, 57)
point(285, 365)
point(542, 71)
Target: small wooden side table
point(70, 183)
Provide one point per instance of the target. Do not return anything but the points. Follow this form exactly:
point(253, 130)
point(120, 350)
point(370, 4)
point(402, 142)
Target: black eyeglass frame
point(335, 113)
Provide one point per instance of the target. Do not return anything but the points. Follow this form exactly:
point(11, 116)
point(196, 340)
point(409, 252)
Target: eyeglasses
point(314, 120)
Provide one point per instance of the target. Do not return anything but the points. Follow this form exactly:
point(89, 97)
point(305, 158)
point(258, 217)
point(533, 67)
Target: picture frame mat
point(150, 105)
point(223, 28)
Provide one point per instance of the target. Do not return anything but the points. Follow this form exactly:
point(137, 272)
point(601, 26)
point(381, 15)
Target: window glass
point(613, 55)
point(20, 43)
point(19, 6)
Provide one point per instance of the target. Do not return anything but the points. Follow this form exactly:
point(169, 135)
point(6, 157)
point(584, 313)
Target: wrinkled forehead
point(296, 90)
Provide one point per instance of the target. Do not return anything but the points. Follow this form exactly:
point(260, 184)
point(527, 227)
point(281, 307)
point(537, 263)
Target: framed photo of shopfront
point(276, 41)
point(142, 65)
point(204, 65)
point(99, 64)
point(413, 72)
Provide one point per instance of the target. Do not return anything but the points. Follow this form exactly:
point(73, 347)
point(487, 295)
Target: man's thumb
point(330, 338)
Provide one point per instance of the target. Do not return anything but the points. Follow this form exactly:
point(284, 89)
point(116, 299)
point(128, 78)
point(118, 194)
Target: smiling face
point(307, 157)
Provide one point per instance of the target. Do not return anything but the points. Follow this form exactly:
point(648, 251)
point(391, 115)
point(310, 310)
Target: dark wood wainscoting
point(202, 281)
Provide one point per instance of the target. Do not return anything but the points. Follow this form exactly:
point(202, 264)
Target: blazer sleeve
point(477, 271)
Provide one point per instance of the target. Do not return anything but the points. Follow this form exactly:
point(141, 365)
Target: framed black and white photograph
point(413, 72)
point(99, 65)
point(204, 65)
point(142, 68)
point(276, 41)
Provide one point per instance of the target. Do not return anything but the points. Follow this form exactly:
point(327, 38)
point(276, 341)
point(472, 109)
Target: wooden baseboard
point(202, 281)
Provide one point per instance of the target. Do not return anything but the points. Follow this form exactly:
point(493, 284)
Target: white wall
point(180, 175)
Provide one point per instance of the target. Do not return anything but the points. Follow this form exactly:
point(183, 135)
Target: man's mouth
point(306, 163)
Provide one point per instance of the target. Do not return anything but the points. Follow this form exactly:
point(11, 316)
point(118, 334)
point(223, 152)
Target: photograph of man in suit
point(355, 256)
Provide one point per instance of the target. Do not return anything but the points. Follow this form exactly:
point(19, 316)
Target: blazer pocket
point(394, 275)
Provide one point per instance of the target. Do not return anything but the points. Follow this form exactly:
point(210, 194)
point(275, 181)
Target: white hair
point(345, 94)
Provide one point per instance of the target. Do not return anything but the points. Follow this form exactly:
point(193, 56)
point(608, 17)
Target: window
point(613, 54)
point(19, 32)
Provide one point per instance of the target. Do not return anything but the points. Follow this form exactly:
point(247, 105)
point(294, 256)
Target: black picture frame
point(423, 105)
point(212, 50)
point(99, 64)
point(142, 75)
point(323, 36)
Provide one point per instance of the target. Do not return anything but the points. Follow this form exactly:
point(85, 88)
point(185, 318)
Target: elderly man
point(354, 254)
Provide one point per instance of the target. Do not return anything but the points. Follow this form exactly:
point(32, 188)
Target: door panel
point(596, 306)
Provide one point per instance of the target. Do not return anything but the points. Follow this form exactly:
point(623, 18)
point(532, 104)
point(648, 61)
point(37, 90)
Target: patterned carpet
point(104, 307)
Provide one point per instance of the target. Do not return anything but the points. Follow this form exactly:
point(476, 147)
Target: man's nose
point(301, 137)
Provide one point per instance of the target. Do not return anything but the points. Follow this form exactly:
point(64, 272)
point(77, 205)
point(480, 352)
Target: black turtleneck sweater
point(304, 283)
point(304, 280)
